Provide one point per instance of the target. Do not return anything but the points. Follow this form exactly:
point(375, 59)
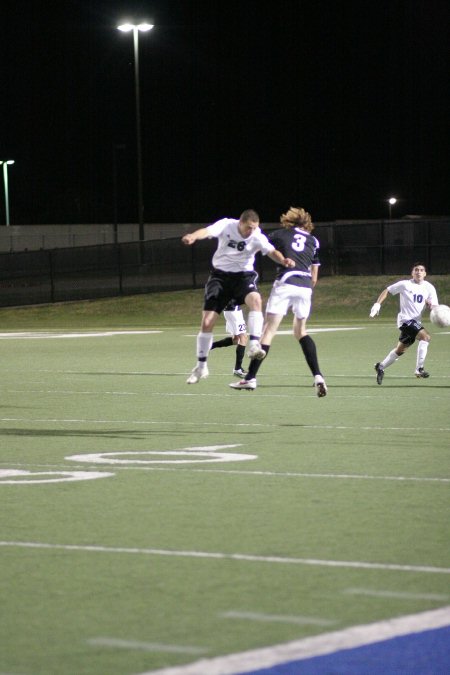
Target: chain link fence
point(89, 272)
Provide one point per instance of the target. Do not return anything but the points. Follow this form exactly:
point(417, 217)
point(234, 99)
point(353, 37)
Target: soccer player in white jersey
point(293, 290)
point(233, 277)
point(236, 328)
point(415, 295)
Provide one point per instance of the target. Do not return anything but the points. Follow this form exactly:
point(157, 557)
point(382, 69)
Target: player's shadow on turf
point(19, 407)
point(131, 434)
point(389, 385)
point(137, 435)
point(145, 374)
point(386, 385)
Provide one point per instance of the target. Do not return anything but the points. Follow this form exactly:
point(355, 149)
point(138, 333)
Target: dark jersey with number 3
point(302, 247)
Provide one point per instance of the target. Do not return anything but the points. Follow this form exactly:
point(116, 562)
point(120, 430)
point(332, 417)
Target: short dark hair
point(419, 264)
point(249, 214)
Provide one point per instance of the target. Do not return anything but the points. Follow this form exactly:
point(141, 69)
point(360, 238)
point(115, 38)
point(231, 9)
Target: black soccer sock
point(309, 350)
point(255, 364)
point(226, 342)
point(240, 353)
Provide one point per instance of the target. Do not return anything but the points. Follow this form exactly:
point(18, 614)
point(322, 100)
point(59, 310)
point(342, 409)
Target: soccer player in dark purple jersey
point(292, 289)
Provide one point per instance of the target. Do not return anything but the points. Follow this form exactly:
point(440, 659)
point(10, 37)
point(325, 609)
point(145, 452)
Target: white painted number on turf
point(15, 477)
point(204, 454)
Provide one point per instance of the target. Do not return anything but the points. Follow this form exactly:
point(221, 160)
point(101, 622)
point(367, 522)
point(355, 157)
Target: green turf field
point(147, 523)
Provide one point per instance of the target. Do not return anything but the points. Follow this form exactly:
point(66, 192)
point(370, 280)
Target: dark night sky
point(334, 106)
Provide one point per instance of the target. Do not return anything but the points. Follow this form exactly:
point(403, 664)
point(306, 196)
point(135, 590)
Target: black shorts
point(222, 287)
point(408, 332)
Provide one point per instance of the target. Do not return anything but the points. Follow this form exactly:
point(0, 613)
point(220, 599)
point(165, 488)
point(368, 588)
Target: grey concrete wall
point(35, 237)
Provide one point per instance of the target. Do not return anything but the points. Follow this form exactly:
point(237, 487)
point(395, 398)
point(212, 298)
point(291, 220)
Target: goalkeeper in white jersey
point(415, 295)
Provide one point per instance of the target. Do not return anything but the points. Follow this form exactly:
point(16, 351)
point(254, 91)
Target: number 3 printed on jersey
point(299, 242)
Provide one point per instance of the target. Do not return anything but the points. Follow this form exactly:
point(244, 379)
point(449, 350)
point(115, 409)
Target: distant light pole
point(136, 28)
point(391, 202)
point(5, 184)
point(116, 147)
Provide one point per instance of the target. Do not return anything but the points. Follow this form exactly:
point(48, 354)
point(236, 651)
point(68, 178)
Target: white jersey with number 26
point(413, 298)
point(234, 253)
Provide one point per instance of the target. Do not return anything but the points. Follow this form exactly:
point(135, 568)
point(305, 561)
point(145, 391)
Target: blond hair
point(297, 217)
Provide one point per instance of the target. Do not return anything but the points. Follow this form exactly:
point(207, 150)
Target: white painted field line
point(62, 392)
point(328, 643)
point(48, 335)
point(158, 394)
point(12, 477)
point(238, 557)
point(292, 474)
point(281, 474)
point(264, 425)
point(302, 393)
point(394, 375)
point(277, 618)
point(101, 372)
point(117, 643)
point(332, 329)
point(397, 595)
point(183, 373)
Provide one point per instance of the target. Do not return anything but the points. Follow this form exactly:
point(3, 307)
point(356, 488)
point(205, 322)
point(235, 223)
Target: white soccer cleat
point(250, 385)
point(198, 373)
point(321, 387)
point(255, 351)
point(240, 372)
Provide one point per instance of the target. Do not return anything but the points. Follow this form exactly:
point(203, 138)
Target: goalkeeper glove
point(375, 310)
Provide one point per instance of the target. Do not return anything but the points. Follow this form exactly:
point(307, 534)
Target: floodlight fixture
point(391, 201)
point(128, 27)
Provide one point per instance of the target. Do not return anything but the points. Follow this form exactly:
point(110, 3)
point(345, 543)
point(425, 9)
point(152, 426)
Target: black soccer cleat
point(420, 372)
point(321, 389)
point(380, 373)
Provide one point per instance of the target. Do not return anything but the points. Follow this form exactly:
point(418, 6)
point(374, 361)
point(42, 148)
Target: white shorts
point(235, 322)
point(285, 296)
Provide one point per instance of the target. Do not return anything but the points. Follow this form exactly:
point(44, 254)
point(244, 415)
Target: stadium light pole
point(5, 184)
point(116, 147)
point(136, 29)
point(391, 202)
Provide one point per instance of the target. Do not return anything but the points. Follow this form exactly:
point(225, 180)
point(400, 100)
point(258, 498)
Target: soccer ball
point(440, 316)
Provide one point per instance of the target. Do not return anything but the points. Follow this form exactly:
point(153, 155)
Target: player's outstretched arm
point(279, 258)
point(377, 305)
point(192, 237)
